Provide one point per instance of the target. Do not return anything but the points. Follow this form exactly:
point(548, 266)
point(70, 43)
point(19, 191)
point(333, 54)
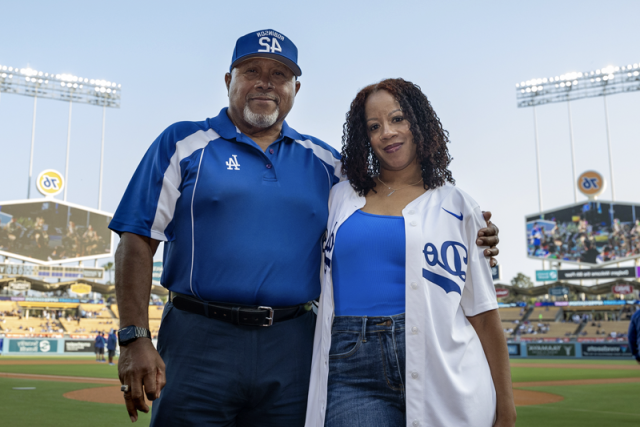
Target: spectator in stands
point(634, 331)
point(111, 345)
point(100, 347)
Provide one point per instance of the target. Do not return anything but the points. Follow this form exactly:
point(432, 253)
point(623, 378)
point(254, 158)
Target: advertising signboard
point(514, 349)
point(33, 346)
point(595, 232)
point(19, 286)
point(606, 349)
point(79, 346)
point(597, 273)
point(502, 292)
point(560, 350)
point(546, 275)
point(591, 184)
point(623, 289)
point(80, 288)
point(9, 269)
point(47, 231)
point(50, 182)
point(558, 291)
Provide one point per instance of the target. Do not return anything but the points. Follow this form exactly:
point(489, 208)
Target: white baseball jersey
point(448, 381)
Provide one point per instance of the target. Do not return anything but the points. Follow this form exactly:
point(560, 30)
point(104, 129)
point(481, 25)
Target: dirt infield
point(99, 394)
point(113, 394)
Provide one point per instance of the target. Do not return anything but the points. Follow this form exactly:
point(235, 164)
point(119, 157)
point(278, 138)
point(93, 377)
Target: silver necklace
point(396, 189)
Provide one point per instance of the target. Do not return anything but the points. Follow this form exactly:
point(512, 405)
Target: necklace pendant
point(391, 193)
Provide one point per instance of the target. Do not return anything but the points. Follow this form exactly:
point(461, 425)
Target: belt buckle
point(270, 319)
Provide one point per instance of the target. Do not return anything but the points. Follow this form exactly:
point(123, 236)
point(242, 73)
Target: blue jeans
point(220, 374)
point(367, 372)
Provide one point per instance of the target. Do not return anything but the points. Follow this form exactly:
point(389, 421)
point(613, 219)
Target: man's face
point(261, 92)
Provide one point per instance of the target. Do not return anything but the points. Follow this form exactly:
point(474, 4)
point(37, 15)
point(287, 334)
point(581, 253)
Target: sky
point(171, 57)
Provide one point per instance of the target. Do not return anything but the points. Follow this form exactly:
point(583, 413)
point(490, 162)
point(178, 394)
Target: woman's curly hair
point(358, 159)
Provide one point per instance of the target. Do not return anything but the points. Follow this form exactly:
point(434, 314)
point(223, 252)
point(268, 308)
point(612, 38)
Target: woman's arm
point(489, 330)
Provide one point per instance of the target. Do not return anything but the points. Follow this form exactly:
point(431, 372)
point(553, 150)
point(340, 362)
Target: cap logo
point(273, 47)
point(270, 33)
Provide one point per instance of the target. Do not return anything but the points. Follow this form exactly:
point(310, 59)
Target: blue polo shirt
point(240, 225)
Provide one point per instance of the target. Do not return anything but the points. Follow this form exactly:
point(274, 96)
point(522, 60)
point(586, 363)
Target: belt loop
point(236, 315)
point(364, 329)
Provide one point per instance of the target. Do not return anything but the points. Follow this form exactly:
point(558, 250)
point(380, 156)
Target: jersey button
point(270, 150)
point(414, 375)
point(268, 165)
point(414, 285)
point(413, 223)
point(416, 423)
point(411, 212)
point(414, 330)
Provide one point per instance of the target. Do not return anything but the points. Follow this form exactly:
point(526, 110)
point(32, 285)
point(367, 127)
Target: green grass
point(99, 370)
point(556, 374)
point(50, 357)
point(46, 407)
point(576, 361)
point(585, 406)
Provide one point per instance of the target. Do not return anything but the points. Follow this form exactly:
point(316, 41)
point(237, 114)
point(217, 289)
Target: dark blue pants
point(220, 374)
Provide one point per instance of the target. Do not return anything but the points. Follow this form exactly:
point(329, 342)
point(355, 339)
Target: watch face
point(127, 334)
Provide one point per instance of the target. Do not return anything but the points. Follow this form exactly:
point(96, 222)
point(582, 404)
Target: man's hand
point(488, 236)
point(142, 369)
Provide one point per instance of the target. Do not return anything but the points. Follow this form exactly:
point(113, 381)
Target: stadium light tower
point(573, 86)
point(61, 87)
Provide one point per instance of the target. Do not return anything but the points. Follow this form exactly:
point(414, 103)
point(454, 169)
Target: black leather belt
point(238, 315)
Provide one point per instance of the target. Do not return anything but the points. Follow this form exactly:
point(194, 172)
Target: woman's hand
point(488, 236)
point(506, 419)
point(489, 329)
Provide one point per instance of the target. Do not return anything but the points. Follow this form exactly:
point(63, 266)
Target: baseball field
point(77, 391)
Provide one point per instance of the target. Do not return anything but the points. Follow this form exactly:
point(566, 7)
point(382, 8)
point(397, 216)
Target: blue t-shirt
point(369, 266)
point(111, 342)
point(240, 225)
point(99, 342)
point(634, 331)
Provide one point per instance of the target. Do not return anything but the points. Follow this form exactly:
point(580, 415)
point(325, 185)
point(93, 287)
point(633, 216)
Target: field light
point(577, 85)
point(63, 87)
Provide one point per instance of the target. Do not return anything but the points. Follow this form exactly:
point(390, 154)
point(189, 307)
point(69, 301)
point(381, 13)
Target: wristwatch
point(131, 333)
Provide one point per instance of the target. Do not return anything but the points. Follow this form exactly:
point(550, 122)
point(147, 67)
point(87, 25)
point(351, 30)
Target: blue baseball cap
point(268, 44)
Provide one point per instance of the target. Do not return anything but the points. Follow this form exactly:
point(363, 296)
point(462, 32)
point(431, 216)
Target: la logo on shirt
point(233, 164)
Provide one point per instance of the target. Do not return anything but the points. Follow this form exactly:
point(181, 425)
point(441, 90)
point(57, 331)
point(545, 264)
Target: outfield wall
point(49, 346)
point(570, 350)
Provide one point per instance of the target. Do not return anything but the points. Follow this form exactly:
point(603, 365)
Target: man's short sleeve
point(479, 294)
point(142, 210)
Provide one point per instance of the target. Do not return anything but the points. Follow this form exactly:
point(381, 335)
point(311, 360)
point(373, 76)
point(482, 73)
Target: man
point(634, 331)
point(99, 343)
point(240, 201)
point(111, 345)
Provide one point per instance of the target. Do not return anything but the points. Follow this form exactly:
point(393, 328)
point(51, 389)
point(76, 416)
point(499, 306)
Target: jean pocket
point(344, 344)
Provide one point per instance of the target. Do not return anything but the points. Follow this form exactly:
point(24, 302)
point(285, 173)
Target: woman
point(408, 331)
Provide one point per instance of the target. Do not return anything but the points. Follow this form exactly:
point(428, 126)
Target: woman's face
point(389, 132)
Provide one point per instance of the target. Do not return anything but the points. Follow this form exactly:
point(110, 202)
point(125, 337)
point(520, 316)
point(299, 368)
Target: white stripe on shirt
point(324, 155)
point(172, 178)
